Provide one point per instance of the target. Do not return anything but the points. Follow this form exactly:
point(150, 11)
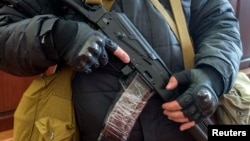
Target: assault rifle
point(144, 60)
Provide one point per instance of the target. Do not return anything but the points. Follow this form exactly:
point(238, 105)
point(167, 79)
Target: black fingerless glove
point(200, 99)
point(79, 46)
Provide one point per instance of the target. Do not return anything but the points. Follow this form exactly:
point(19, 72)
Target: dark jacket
point(212, 26)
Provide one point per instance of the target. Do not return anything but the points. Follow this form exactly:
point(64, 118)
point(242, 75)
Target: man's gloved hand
point(92, 54)
point(198, 101)
point(80, 46)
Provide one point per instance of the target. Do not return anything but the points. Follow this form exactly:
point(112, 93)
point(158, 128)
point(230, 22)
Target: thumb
point(172, 83)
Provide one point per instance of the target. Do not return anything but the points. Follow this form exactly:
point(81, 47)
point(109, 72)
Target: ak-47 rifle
point(144, 60)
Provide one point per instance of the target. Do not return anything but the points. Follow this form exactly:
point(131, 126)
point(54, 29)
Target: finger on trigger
point(122, 55)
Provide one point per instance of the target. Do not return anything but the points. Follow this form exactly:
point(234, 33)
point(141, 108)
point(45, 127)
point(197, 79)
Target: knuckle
point(185, 100)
